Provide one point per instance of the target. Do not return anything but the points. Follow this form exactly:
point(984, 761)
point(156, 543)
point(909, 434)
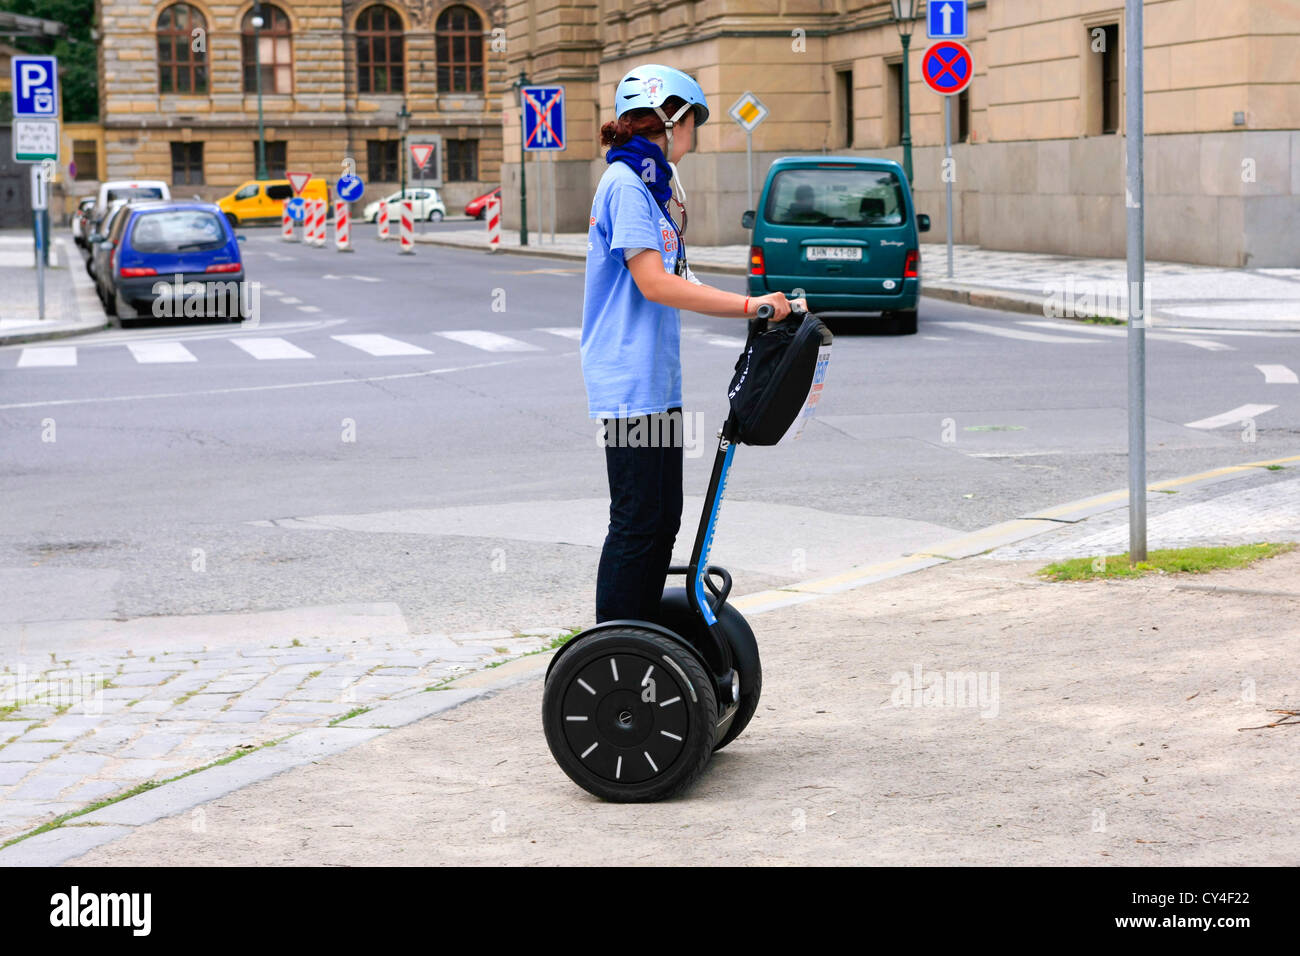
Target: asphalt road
point(183, 469)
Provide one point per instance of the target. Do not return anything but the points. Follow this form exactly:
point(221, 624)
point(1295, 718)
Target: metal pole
point(749, 169)
point(947, 172)
point(40, 264)
point(261, 130)
point(553, 213)
point(1136, 255)
point(907, 114)
point(523, 175)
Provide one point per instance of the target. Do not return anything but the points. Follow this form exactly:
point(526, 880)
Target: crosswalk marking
point(567, 332)
point(291, 300)
point(488, 341)
point(157, 352)
point(308, 308)
point(1014, 333)
point(271, 348)
point(48, 355)
point(1278, 375)
point(380, 345)
point(1119, 331)
point(1234, 417)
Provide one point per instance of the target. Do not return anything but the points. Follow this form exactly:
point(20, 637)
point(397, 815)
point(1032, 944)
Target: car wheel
point(110, 303)
point(232, 219)
point(901, 323)
point(435, 215)
point(481, 214)
point(123, 309)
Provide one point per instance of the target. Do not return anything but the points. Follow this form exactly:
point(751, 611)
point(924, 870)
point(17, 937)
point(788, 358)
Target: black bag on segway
point(775, 377)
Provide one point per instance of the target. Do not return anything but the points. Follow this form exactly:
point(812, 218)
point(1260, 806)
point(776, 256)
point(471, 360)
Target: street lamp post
point(403, 124)
point(519, 85)
point(257, 69)
point(905, 14)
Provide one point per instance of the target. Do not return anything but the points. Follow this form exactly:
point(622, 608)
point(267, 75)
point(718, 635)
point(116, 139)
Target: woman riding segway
point(637, 279)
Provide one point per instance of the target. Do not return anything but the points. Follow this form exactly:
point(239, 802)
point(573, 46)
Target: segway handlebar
point(766, 311)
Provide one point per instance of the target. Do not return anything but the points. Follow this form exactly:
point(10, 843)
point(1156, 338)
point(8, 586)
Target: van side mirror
point(747, 219)
point(922, 222)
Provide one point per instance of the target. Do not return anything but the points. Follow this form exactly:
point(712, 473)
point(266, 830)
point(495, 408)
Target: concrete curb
point(88, 831)
point(90, 316)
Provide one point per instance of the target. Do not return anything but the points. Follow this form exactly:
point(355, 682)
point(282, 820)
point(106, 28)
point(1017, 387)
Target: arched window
point(460, 51)
point(272, 46)
point(379, 51)
point(182, 53)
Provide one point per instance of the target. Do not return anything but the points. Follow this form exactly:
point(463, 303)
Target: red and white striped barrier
point(408, 229)
point(381, 219)
point(494, 224)
point(321, 207)
point(286, 225)
point(342, 232)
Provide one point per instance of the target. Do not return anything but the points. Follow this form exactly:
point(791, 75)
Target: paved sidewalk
point(1054, 767)
point(71, 306)
point(1179, 295)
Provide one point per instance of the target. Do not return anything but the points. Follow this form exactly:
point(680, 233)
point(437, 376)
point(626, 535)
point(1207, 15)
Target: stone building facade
point(1039, 143)
point(178, 96)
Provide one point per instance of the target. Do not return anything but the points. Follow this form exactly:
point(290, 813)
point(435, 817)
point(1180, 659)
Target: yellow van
point(262, 200)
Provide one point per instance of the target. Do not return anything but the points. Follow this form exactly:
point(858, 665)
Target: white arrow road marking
point(1234, 417)
point(1013, 333)
point(156, 352)
point(59, 355)
point(272, 348)
point(1273, 375)
point(380, 345)
point(574, 332)
point(488, 341)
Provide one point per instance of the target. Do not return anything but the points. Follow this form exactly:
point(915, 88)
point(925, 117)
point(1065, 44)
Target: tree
point(78, 63)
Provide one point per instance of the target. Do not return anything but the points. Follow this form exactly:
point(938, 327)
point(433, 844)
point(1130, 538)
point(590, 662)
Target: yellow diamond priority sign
point(748, 111)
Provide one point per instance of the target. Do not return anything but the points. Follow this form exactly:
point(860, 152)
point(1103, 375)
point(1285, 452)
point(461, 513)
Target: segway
point(632, 709)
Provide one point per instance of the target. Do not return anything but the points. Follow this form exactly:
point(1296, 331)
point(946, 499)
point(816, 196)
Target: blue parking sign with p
point(35, 86)
point(543, 117)
point(946, 19)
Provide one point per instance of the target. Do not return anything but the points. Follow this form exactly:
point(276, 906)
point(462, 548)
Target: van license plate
point(835, 252)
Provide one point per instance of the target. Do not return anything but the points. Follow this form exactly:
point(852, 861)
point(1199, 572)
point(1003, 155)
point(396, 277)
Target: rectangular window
point(1110, 79)
point(85, 153)
point(381, 160)
point(275, 160)
point(844, 196)
point(893, 103)
point(462, 160)
point(187, 164)
point(963, 116)
point(844, 84)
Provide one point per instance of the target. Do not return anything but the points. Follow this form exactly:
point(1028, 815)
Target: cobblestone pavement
point(1267, 512)
point(87, 727)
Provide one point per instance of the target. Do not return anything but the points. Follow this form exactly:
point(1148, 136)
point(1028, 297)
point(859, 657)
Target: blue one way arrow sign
point(946, 19)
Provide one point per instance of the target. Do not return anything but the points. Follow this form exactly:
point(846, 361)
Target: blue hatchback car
point(174, 259)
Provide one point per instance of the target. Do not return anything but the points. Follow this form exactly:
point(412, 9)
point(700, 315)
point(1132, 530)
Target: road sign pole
point(947, 172)
point(906, 137)
point(749, 169)
point(1136, 256)
point(40, 265)
point(553, 190)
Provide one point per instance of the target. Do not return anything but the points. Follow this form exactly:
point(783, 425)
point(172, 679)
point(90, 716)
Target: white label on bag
point(814, 395)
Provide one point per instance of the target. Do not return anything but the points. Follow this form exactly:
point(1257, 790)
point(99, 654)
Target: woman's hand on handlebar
point(782, 307)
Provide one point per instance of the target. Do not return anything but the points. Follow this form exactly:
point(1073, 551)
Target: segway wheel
point(630, 715)
point(751, 688)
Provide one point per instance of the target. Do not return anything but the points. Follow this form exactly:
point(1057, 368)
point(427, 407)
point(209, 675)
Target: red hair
point(639, 122)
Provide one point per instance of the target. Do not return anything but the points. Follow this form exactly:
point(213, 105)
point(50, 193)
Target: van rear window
point(849, 197)
point(135, 192)
point(179, 230)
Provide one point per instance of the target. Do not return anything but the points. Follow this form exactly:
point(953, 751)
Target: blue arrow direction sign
point(946, 19)
point(543, 117)
point(349, 188)
point(35, 86)
point(297, 207)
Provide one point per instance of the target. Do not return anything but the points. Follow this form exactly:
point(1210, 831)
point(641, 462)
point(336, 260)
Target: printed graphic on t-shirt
point(669, 234)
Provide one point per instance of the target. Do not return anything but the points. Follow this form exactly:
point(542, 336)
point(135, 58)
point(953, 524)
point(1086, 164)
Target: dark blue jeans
point(643, 457)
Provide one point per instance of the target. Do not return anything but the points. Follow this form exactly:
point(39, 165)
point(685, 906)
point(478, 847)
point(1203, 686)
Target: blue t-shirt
point(631, 347)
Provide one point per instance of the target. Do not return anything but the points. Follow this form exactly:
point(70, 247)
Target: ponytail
point(639, 122)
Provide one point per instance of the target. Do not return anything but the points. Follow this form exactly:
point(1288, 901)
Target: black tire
point(751, 689)
point(628, 749)
point(110, 303)
point(232, 219)
point(901, 323)
point(435, 216)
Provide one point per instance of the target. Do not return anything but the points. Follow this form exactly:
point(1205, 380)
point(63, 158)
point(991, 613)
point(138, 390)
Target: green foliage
point(1171, 561)
point(78, 66)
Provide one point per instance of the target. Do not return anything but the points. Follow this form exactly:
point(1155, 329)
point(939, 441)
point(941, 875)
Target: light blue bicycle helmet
point(647, 86)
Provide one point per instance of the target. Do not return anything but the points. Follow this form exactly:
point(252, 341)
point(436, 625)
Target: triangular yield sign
point(297, 181)
point(421, 152)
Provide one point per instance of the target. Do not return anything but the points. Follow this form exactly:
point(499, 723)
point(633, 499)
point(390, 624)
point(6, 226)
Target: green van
point(844, 231)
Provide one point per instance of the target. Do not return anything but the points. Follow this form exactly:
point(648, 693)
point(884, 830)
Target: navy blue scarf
point(634, 152)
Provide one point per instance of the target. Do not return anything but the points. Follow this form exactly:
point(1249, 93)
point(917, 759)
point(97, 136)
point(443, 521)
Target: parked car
point(425, 204)
point(98, 250)
point(185, 251)
point(126, 189)
point(262, 200)
point(478, 206)
point(845, 231)
point(79, 220)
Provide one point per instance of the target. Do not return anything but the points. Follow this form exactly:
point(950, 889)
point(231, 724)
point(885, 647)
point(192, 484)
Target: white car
point(125, 189)
point(425, 204)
